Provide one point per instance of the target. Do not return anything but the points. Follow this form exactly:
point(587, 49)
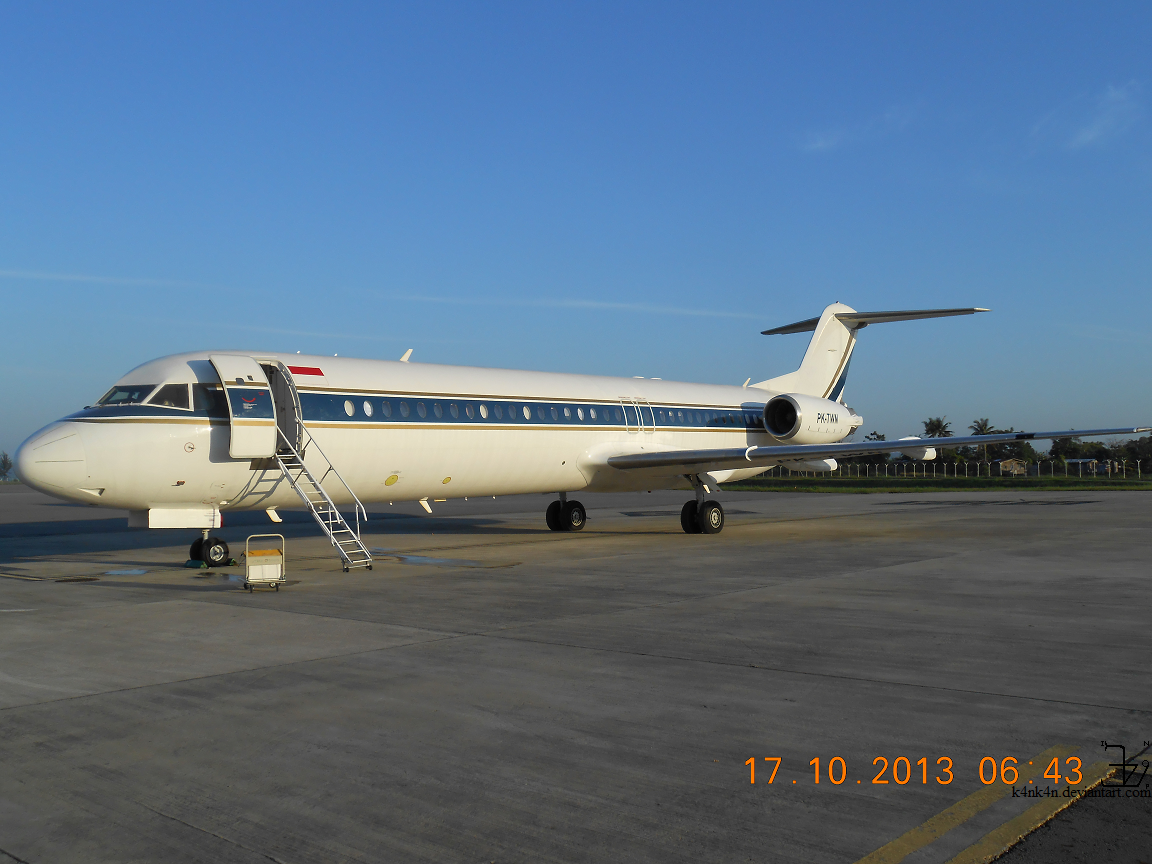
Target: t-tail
point(824, 370)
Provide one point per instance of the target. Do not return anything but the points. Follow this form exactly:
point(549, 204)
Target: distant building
point(1015, 467)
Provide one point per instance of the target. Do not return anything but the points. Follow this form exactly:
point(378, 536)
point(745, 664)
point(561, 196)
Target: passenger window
point(528, 413)
point(580, 414)
point(127, 394)
point(471, 412)
point(349, 408)
point(539, 412)
point(680, 417)
point(421, 410)
point(592, 413)
point(619, 415)
point(567, 413)
point(499, 411)
point(555, 413)
point(454, 410)
point(386, 408)
point(404, 409)
point(367, 408)
point(437, 409)
point(171, 396)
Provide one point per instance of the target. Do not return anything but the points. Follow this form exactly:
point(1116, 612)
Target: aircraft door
point(250, 406)
point(647, 416)
point(631, 416)
point(287, 403)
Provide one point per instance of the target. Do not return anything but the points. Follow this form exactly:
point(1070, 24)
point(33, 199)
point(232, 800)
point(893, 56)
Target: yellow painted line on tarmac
point(959, 813)
point(995, 843)
point(25, 578)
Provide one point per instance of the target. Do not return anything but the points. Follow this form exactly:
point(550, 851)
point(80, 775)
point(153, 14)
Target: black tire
point(214, 552)
point(194, 549)
point(552, 516)
point(688, 518)
point(711, 518)
point(574, 516)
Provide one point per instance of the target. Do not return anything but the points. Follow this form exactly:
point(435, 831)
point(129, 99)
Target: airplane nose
point(52, 460)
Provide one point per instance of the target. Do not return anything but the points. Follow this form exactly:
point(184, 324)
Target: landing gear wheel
point(552, 516)
point(194, 549)
point(574, 516)
point(214, 552)
point(711, 518)
point(688, 518)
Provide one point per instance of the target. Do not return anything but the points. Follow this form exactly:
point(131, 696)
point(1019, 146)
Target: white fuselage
point(393, 431)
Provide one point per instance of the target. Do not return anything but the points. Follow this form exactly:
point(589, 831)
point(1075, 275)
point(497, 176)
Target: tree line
point(1134, 452)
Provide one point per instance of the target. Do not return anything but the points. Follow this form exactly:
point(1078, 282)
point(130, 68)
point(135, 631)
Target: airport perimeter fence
point(1072, 469)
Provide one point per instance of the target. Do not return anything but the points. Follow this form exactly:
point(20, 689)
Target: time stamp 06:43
point(902, 771)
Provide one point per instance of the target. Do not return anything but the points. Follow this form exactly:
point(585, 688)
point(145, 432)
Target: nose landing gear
point(565, 515)
point(211, 550)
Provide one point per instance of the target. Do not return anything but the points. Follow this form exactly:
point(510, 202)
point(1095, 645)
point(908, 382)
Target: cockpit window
point(171, 396)
point(209, 398)
point(127, 394)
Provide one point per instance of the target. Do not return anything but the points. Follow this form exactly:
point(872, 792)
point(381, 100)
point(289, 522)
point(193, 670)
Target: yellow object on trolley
point(264, 566)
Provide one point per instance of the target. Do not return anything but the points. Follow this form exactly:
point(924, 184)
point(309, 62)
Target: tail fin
point(824, 370)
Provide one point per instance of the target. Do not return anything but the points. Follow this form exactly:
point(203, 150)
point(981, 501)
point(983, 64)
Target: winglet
point(407, 355)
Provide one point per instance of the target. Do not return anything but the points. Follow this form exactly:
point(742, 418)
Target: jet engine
point(801, 419)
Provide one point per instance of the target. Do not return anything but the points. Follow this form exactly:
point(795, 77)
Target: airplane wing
point(694, 461)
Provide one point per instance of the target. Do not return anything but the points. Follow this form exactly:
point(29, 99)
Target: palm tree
point(937, 427)
point(982, 427)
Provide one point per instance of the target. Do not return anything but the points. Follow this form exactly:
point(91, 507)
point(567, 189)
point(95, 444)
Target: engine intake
point(804, 419)
point(782, 417)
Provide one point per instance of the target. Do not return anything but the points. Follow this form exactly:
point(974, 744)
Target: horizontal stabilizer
point(856, 320)
point(693, 461)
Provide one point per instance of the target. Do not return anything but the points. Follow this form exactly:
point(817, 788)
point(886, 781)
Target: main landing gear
point(565, 515)
point(699, 516)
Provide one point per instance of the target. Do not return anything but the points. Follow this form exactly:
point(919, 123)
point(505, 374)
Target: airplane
point(180, 440)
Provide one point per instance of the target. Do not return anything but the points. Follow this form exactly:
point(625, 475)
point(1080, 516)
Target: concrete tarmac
point(493, 691)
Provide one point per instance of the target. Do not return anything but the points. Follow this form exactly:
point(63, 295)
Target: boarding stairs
point(347, 541)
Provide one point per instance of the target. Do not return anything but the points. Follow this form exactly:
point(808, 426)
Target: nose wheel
point(213, 552)
point(706, 518)
point(566, 516)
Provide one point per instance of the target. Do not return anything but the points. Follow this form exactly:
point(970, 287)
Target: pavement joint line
point(959, 813)
point(998, 841)
point(1040, 699)
point(8, 854)
point(210, 833)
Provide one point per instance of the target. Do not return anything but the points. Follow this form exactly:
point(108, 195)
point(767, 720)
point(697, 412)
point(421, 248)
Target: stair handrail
point(359, 508)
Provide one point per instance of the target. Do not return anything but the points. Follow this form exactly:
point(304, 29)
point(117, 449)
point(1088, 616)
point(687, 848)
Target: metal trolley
point(263, 566)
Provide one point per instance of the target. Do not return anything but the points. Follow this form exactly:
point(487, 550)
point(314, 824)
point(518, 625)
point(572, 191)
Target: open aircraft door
point(250, 408)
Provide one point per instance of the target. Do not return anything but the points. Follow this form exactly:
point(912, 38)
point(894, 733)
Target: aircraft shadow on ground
point(18, 540)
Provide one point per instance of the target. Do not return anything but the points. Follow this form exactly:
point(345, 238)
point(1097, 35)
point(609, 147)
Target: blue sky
point(616, 188)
